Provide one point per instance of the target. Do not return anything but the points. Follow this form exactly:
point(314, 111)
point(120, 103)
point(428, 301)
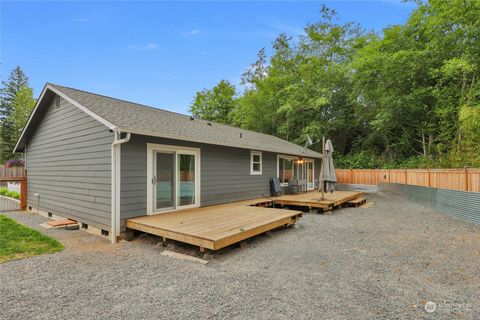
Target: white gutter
point(116, 155)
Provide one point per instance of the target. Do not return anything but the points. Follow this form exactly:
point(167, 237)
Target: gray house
point(100, 160)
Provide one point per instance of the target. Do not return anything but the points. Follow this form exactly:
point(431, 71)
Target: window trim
point(151, 149)
point(258, 153)
point(284, 156)
point(312, 161)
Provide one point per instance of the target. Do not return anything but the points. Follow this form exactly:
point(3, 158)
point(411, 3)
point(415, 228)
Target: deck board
point(218, 226)
point(313, 199)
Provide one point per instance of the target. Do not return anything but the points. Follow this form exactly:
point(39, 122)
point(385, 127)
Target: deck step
point(356, 202)
point(61, 223)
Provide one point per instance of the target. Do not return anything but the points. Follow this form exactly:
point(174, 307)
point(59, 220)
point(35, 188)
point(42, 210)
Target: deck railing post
point(23, 193)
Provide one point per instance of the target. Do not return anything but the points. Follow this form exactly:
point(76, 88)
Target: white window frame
point(151, 149)
point(307, 160)
point(256, 153)
point(293, 158)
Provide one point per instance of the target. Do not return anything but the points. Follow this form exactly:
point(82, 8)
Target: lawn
point(18, 241)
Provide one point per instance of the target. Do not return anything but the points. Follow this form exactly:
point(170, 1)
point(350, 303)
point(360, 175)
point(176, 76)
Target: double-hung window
point(255, 162)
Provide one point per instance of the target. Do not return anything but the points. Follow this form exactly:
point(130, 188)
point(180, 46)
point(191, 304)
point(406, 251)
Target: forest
point(408, 97)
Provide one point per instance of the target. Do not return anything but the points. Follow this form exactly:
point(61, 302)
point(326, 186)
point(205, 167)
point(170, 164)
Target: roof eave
point(48, 86)
point(310, 153)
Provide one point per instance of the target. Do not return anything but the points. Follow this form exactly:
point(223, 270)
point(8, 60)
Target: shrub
point(15, 163)
point(10, 194)
point(359, 160)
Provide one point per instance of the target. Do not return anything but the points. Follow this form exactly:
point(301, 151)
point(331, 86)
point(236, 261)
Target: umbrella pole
point(323, 169)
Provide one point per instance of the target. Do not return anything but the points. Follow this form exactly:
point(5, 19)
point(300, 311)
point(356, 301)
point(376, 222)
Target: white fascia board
point(105, 122)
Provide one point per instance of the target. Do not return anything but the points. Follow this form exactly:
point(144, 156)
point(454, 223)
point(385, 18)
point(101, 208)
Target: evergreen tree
point(22, 107)
point(8, 93)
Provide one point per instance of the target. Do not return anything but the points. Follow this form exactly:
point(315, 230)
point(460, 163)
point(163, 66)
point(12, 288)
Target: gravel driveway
point(383, 262)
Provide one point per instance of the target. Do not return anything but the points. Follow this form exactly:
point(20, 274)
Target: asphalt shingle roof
point(136, 118)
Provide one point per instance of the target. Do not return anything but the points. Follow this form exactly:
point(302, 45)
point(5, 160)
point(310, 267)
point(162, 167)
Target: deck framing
point(219, 226)
point(313, 199)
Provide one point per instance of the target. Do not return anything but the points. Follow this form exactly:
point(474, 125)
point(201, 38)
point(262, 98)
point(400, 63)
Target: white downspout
point(116, 156)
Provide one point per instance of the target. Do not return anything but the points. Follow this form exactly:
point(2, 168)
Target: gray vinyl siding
point(225, 174)
point(69, 165)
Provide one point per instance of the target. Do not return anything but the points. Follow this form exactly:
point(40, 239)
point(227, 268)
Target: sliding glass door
point(164, 182)
point(310, 175)
point(186, 179)
point(290, 167)
point(174, 178)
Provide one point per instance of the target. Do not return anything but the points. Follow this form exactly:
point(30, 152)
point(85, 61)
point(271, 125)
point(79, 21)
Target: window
point(255, 162)
point(286, 166)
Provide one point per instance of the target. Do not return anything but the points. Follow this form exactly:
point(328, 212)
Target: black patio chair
point(275, 187)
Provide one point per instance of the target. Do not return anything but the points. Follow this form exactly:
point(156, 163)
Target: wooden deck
point(313, 199)
point(218, 226)
point(214, 227)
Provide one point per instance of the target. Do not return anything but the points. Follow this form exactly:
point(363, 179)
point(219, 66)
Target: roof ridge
point(118, 99)
point(184, 116)
point(165, 110)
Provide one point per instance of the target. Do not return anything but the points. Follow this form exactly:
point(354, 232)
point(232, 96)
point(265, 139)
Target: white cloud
point(190, 33)
point(148, 46)
point(81, 19)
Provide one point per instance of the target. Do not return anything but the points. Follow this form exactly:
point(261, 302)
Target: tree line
point(16, 104)
point(408, 97)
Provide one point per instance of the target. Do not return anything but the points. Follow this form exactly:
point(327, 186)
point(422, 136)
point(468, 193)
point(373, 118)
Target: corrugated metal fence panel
point(459, 204)
point(393, 189)
point(357, 187)
point(423, 196)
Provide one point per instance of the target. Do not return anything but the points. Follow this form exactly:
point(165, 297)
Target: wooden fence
point(467, 179)
point(12, 172)
point(22, 181)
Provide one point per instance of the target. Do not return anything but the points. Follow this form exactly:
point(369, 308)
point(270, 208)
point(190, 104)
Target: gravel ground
point(382, 262)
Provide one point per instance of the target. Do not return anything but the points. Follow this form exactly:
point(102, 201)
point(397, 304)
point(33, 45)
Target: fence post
point(466, 178)
point(351, 176)
point(23, 193)
point(429, 179)
point(406, 180)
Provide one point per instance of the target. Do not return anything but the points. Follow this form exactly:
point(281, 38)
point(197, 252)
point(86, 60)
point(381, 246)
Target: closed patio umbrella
point(328, 178)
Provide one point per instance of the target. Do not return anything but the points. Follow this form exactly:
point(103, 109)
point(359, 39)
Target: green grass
point(18, 241)
point(11, 194)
